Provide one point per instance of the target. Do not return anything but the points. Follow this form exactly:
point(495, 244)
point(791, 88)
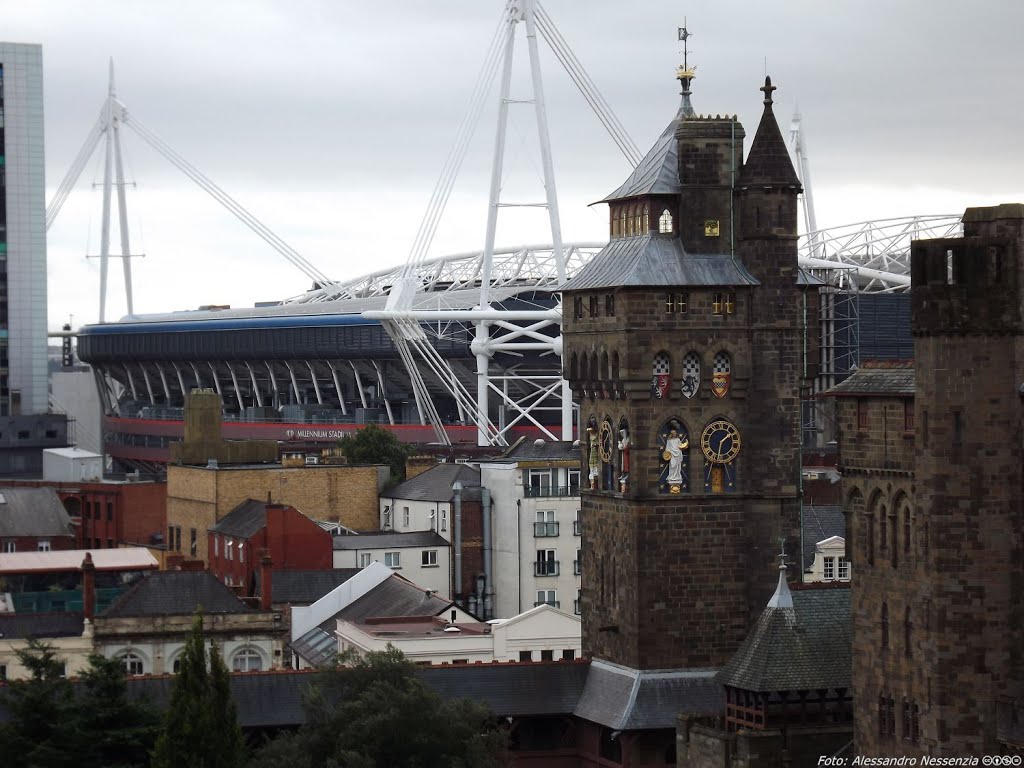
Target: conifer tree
point(200, 728)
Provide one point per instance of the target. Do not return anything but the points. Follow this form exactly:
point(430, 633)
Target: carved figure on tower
point(593, 457)
point(623, 446)
point(672, 457)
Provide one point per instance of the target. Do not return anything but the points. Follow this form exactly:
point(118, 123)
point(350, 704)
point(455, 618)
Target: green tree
point(39, 708)
point(376, 713)
point(110, 730)
point(375, 445)
point(200, 728)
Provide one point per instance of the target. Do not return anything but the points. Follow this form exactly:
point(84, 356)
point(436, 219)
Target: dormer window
point(665, 223)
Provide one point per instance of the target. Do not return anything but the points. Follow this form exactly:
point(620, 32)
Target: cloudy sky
point(331, 120)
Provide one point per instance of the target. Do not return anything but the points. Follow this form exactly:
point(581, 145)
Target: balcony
point(545, 568)
point(550, 491)
point(552, 603)
point(577, 528)
point(545, 530)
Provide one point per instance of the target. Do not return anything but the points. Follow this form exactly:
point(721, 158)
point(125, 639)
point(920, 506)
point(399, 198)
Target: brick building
point(33, 519)
point(239, 541)
point(932, 480)
point(685, 346)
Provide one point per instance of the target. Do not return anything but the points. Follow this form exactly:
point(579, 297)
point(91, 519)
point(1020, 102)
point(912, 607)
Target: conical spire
point(768, 163)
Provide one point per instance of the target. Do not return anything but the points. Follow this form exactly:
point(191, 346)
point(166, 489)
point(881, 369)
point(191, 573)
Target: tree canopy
point(93, 724)
point(377, 713)
point(200, 727)
point(375, 445)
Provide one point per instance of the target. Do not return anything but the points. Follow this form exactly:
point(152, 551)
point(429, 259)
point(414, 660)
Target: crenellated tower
point(684, 347)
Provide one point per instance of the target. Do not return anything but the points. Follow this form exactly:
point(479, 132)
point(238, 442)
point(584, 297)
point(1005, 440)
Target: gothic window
point(645, 223)
point(721, 375)
point(674, 445)
point(907, 633)
point(595, 310)
point(723, 303)
point(665, 223)
point(691, 375)
point(615, 225)
point(885, 625)
point(661, 375)
point(883, 529)
point(577, 307)
point(615, 366)
point(609, 305)
point(605, 372)
point(574, 366)
point(908, 415)
point(907, 528)
point(894, 558)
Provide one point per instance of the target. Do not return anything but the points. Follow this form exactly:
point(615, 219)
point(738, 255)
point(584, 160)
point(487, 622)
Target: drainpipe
point(457, 497)
point(488, 608)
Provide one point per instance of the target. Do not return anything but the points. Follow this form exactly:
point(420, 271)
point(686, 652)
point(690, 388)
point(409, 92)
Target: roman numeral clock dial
point(720, 442)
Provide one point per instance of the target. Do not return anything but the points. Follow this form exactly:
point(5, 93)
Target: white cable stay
point(75, 171)
point(586, 87)
point(224, 199)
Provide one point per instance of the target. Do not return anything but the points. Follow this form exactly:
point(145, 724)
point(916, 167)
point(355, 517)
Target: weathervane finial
point(686, 73)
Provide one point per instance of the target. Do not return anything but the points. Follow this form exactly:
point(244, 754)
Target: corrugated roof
point(120, 559)
point(306, 587)
point(803, 647)
point(657, 260)
point(436, 483)
point(387, 540)
point(33, 512)
point(820, 523)
point(658, 172)
point(895, 378)
point(176, 593)
point(628, 699)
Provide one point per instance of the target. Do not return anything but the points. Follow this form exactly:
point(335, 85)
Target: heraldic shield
point(721, 375)
point(691, 375)
point(661, 378)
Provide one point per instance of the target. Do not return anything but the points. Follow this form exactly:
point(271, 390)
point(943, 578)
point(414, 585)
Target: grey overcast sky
point(330, 120)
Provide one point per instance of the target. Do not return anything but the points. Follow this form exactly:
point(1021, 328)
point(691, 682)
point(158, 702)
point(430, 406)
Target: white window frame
point(393, 559)
point(134, 665)
point(545, 524)
point(844, 569)
point(405, 517)
point(428, 558)
point(43, 545)
point(242, 660)
point(10, 545)
point(828, 568)
point(547, 597)
point(548, 558)
point(365, 558)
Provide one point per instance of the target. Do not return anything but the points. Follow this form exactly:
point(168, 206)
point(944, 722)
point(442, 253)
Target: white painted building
point(540, 634)
point(422, 557)
point(536, 534)
point(830, 563)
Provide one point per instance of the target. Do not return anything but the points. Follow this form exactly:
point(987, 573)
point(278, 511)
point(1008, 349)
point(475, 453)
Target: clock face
point(720, 442)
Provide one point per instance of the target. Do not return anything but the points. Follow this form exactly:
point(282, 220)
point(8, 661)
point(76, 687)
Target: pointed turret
point(768, 163)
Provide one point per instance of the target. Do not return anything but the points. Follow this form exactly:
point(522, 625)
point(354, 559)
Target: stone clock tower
point(686, 341)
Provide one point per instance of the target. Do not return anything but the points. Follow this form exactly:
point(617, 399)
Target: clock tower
point(685, 343)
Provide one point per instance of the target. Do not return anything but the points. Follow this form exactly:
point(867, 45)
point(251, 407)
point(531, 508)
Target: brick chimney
point(266, 582)
point(88, 587)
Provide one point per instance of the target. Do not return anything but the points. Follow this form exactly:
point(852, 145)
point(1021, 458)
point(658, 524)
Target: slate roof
point(895, 378)
point(33, 512)
point(802, 641)
point(436, 483)
point(525, 449)
point(306, 587)
point(768, 161)
point(625, 699)
point(820, 523)
point(512, 689)
point(390, 539)
point(244, 521)
point(21, 626)
point(176, 593)
point(658, 172)
point(656, 260)
point(393, 597)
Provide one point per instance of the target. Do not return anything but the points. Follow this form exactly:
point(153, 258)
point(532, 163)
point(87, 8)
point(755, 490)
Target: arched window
point(665, 223)
point(133, 664)
point(645, 221)
point(247, 660)
point(574, 366)
point(606, 371)
point(907, 633)
point(885, 625)
point(615, 366)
